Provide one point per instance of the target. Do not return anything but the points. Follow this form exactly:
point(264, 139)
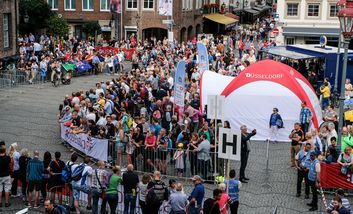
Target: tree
point(38, 12)
point(91, 28)
point(58, 26)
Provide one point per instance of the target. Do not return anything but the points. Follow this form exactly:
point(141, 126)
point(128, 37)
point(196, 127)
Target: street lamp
point(345, 16)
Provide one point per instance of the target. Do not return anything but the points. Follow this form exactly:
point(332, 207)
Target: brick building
point(8, 27)
point(138, 16)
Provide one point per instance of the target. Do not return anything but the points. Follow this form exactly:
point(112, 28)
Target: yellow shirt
point(325, 92)
point(101, 103)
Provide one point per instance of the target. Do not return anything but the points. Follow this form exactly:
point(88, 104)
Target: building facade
point(304, 21)
point(140, 17)
point(8, 27)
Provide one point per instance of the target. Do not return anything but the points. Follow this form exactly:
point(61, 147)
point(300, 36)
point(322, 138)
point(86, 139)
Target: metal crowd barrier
point(14, 77)
point(167, 162)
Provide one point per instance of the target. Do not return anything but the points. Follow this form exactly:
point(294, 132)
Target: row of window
point(313, 10)
point(88, 5)
point(6, 29)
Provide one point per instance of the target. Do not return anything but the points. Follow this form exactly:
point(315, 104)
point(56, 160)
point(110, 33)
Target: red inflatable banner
point(112, 51)
point(331, 177)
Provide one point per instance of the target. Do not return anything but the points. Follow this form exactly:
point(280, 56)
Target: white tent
point(252, 95)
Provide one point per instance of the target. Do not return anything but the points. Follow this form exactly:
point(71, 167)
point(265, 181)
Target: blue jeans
point(113, 202)
point(129, 199)
point(96, 194)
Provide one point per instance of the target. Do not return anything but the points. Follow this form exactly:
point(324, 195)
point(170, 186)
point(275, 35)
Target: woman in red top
point(150, 146)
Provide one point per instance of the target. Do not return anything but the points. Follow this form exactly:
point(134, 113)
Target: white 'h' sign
point(229, 141)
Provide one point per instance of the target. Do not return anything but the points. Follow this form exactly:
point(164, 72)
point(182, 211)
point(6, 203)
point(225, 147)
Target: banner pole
point(215, 138)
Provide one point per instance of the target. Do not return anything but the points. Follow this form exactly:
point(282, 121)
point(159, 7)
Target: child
point(179, 161)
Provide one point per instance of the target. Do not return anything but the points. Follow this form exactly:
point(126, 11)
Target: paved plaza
point(29, 116)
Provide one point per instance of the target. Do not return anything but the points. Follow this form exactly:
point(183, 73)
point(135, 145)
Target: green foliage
point(91, 28)
point(38, 12)
point(58, 26)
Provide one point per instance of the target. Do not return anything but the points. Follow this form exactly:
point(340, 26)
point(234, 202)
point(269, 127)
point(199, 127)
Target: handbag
point(103, 194)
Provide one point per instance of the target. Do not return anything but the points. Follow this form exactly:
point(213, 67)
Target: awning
point(283, 51)
point(231, 15)
point(221, 19)
point(313, 31)
point(261, 8)
point(254, 12)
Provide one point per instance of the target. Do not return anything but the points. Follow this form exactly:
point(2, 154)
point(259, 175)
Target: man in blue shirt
point(314, 180)
point(305, 117)
point(197, 195)
point(35, 169)
point(233, 186)
point(302, 163)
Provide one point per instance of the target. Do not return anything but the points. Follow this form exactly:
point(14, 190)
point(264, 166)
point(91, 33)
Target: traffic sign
point(229, 144)
point(168, 21)
point(275, 31)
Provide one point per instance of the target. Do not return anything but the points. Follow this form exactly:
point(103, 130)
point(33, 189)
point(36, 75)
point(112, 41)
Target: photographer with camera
point(245, 149)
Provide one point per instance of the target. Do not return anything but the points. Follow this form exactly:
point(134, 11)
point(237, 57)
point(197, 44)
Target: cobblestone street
point(28, 116)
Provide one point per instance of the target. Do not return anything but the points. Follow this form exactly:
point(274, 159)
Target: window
point(87, 4)
point(292, 9)
point(290, 41)
point(313, 10)
point(6, 30)
point(131, 4)
point(105, 5)
point(70, 4)
point(53, 4)
point(187, 5)
point(148, 4)
point(333, 10)
point(199, 4)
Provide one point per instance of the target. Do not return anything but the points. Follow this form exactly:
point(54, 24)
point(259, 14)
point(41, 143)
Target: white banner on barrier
point(93, 147)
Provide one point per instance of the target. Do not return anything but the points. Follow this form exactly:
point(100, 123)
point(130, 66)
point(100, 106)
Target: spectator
point(275, 123)
point(51, 209)
point(46, 175)
point(297, 135)
point(146, 179)
point(15, 155)
point(345, 202)
point(346, 161)
point(233, 186)
point(224, 200)
point(197, 195)
point(23, 162)
point(55, 182)
point(338, 208)
point(302, 163)
point(211, 205)
point(130, 182)
point(203, 155)
point(35, 170)
point(305, 118)
point(332, 151)
point(5, 179)
point(154, 201)
point(98, 187)
point(112, 190)
point(178, 200)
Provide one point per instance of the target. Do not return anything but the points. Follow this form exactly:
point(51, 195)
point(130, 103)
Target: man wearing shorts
point(35, 170)
point(5, 179)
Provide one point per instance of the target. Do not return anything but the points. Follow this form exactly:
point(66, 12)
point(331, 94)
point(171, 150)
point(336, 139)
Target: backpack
point(77, 173)
point(66, 173)
point(62, 209)
point(130, 122)
point(157, 194)
point(107, 179)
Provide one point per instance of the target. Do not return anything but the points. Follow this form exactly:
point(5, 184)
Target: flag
point(115, 6)
point(179, 84)
point(202, 57)
point(165, 7)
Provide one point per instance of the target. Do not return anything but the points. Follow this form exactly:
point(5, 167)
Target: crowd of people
point(47, 180)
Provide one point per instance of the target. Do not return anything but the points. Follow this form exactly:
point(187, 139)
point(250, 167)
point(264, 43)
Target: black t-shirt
point(211, 206)
point(56, 166)
point(110, 130)
point(130, 181)
point(297, 133)
point(4, 166)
